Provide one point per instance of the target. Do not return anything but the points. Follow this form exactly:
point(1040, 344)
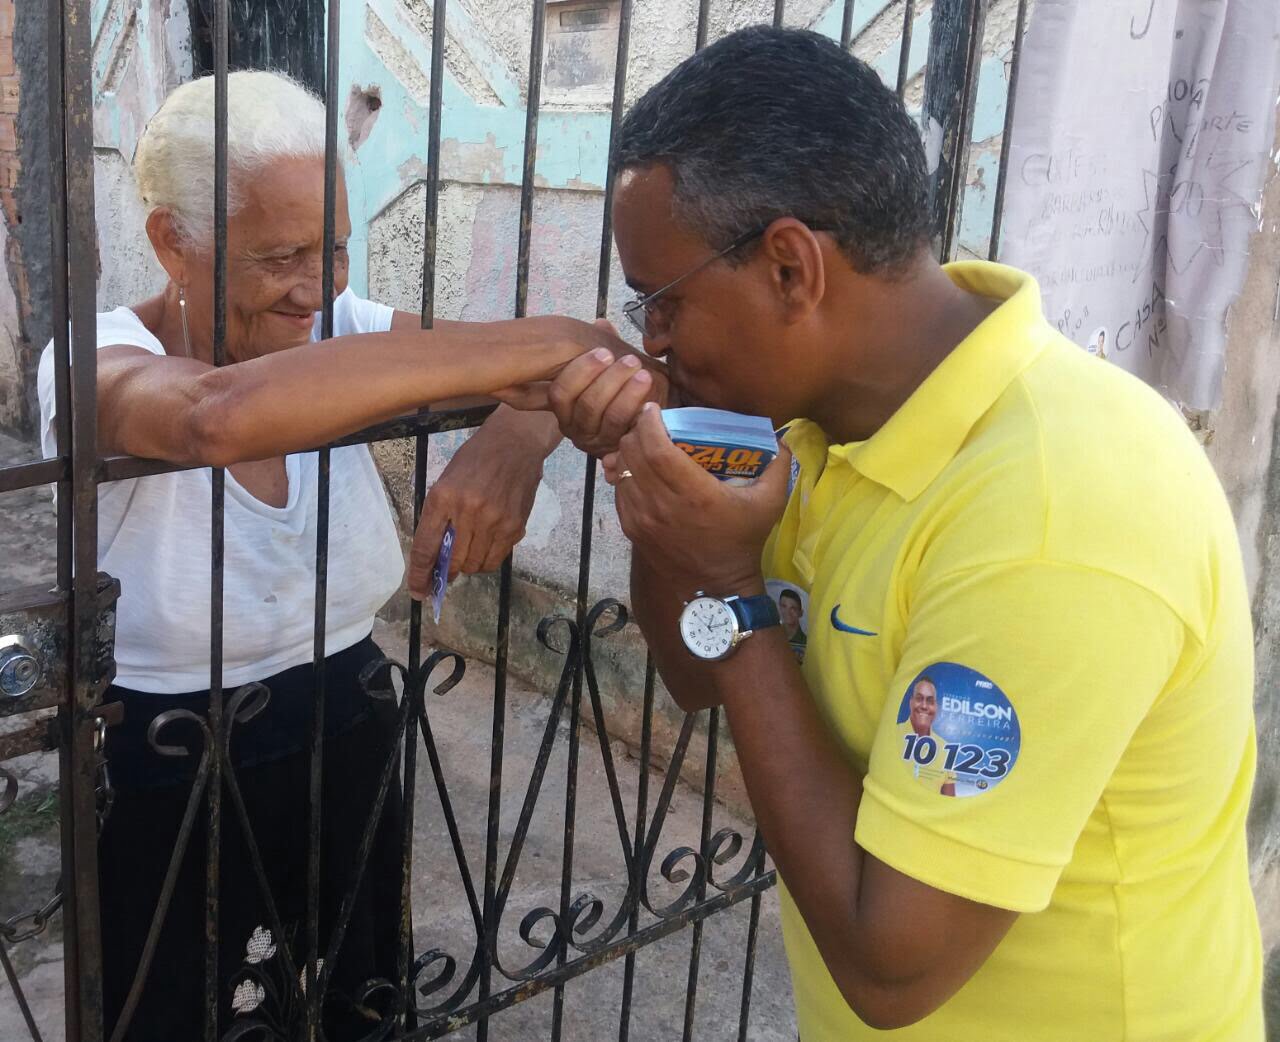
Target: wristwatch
point(712, 627)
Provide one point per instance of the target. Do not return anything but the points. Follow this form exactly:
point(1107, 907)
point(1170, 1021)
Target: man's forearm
point(657, 598)
point(805, 795)
point(804, 792)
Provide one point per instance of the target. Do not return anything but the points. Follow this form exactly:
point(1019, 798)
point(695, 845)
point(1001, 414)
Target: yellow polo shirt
point(1038, 533)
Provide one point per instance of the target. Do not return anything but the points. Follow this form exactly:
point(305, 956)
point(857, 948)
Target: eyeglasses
point(643, 312)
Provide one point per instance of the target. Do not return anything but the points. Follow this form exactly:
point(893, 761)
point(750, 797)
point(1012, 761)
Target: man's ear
point(797, 265)
point(170, 247)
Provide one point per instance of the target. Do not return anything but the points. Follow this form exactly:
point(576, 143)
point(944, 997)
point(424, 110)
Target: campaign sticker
point(440, 572)
point(958, 732)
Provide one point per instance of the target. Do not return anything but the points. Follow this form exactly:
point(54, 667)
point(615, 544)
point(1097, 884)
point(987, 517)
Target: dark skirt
point(270, 759)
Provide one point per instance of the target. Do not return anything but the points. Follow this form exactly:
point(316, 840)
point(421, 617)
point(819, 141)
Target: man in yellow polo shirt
point(970, 499)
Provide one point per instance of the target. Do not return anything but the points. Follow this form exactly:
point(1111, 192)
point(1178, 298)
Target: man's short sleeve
point(1019, 687)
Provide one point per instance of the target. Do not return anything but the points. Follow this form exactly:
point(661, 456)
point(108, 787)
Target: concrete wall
point(1243, 441)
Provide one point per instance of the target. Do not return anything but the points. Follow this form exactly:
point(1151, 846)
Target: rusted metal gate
point(56, 644)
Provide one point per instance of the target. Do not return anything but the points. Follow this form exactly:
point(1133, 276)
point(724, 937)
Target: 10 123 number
point(963, 759)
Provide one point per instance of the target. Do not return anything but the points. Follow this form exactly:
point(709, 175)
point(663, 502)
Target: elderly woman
point(159, 396)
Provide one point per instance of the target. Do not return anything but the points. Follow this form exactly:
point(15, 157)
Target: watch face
point(708, 628)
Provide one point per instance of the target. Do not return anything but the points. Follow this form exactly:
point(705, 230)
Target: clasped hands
point(697, 531)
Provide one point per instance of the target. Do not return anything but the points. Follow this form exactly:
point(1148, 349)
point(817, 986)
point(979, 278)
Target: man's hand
point(699, 531)
point(487, 491)
point(598, 396)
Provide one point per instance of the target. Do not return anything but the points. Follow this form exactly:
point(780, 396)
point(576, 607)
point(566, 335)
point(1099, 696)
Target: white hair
point(269, 116)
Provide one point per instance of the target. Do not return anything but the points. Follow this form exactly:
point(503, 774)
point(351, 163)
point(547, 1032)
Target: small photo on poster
point(1099, 343)
point(793, 608)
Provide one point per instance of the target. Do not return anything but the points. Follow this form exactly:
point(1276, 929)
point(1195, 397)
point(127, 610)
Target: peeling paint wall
point(141, 49)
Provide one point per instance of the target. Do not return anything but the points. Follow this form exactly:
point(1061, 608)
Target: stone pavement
point(28, 529)
point(461, 721)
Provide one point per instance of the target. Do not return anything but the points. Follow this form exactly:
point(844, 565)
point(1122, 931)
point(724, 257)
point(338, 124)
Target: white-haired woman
point(159, 396)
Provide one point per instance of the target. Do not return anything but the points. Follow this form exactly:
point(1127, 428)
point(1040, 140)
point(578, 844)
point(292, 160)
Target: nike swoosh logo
point(844, 627)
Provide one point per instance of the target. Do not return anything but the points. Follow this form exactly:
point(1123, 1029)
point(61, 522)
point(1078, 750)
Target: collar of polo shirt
point(918, 440)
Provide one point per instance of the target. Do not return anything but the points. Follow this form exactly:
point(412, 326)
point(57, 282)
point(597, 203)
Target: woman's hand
point(486, 491)
point(594, 349)
point(598, 396)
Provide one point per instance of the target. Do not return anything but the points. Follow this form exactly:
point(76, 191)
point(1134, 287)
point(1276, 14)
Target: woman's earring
point(182, 308)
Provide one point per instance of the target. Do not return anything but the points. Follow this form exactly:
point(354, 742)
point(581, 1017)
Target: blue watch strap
point(755, 613)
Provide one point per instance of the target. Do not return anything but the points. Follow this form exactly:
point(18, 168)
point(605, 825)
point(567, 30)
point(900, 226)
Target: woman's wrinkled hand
point(486, 491)
point(594, 348)
point(598, 396)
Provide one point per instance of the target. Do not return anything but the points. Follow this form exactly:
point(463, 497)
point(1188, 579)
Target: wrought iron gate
point(56, 644)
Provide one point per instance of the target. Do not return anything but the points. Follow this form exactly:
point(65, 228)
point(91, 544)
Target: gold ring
point(625, 474)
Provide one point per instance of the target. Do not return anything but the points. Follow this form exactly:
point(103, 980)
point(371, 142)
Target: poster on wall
point(1143, 134)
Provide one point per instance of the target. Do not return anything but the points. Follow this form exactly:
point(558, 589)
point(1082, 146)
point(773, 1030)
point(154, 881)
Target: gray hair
point(269, 116)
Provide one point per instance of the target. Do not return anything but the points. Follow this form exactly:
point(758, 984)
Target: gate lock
point(36, 645)
point(19, 668)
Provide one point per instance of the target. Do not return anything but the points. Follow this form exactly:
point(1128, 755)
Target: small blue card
point(440, 572)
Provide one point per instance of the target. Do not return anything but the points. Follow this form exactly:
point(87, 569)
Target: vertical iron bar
point(488, 951)
point(713, 726)
point(779, 9)
point(66, 488)
point(846, 24)
point(432, 216)
point(588, 514)
point(951, 80)
point(993, 250)
point(904, 56)
point(708, 806)
point(570, 796)
point(621, 59)
point(490, 947)
point(58, 289)
point(217, 541)
point(615, 120)
point(21, 999)
point(704, 19)
point(749, 964)
point(315, 810)
point(530, 156)
point(532, 105)
point(409, 787)
point(642, 811)
point(431, 223)
point(80, 834)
